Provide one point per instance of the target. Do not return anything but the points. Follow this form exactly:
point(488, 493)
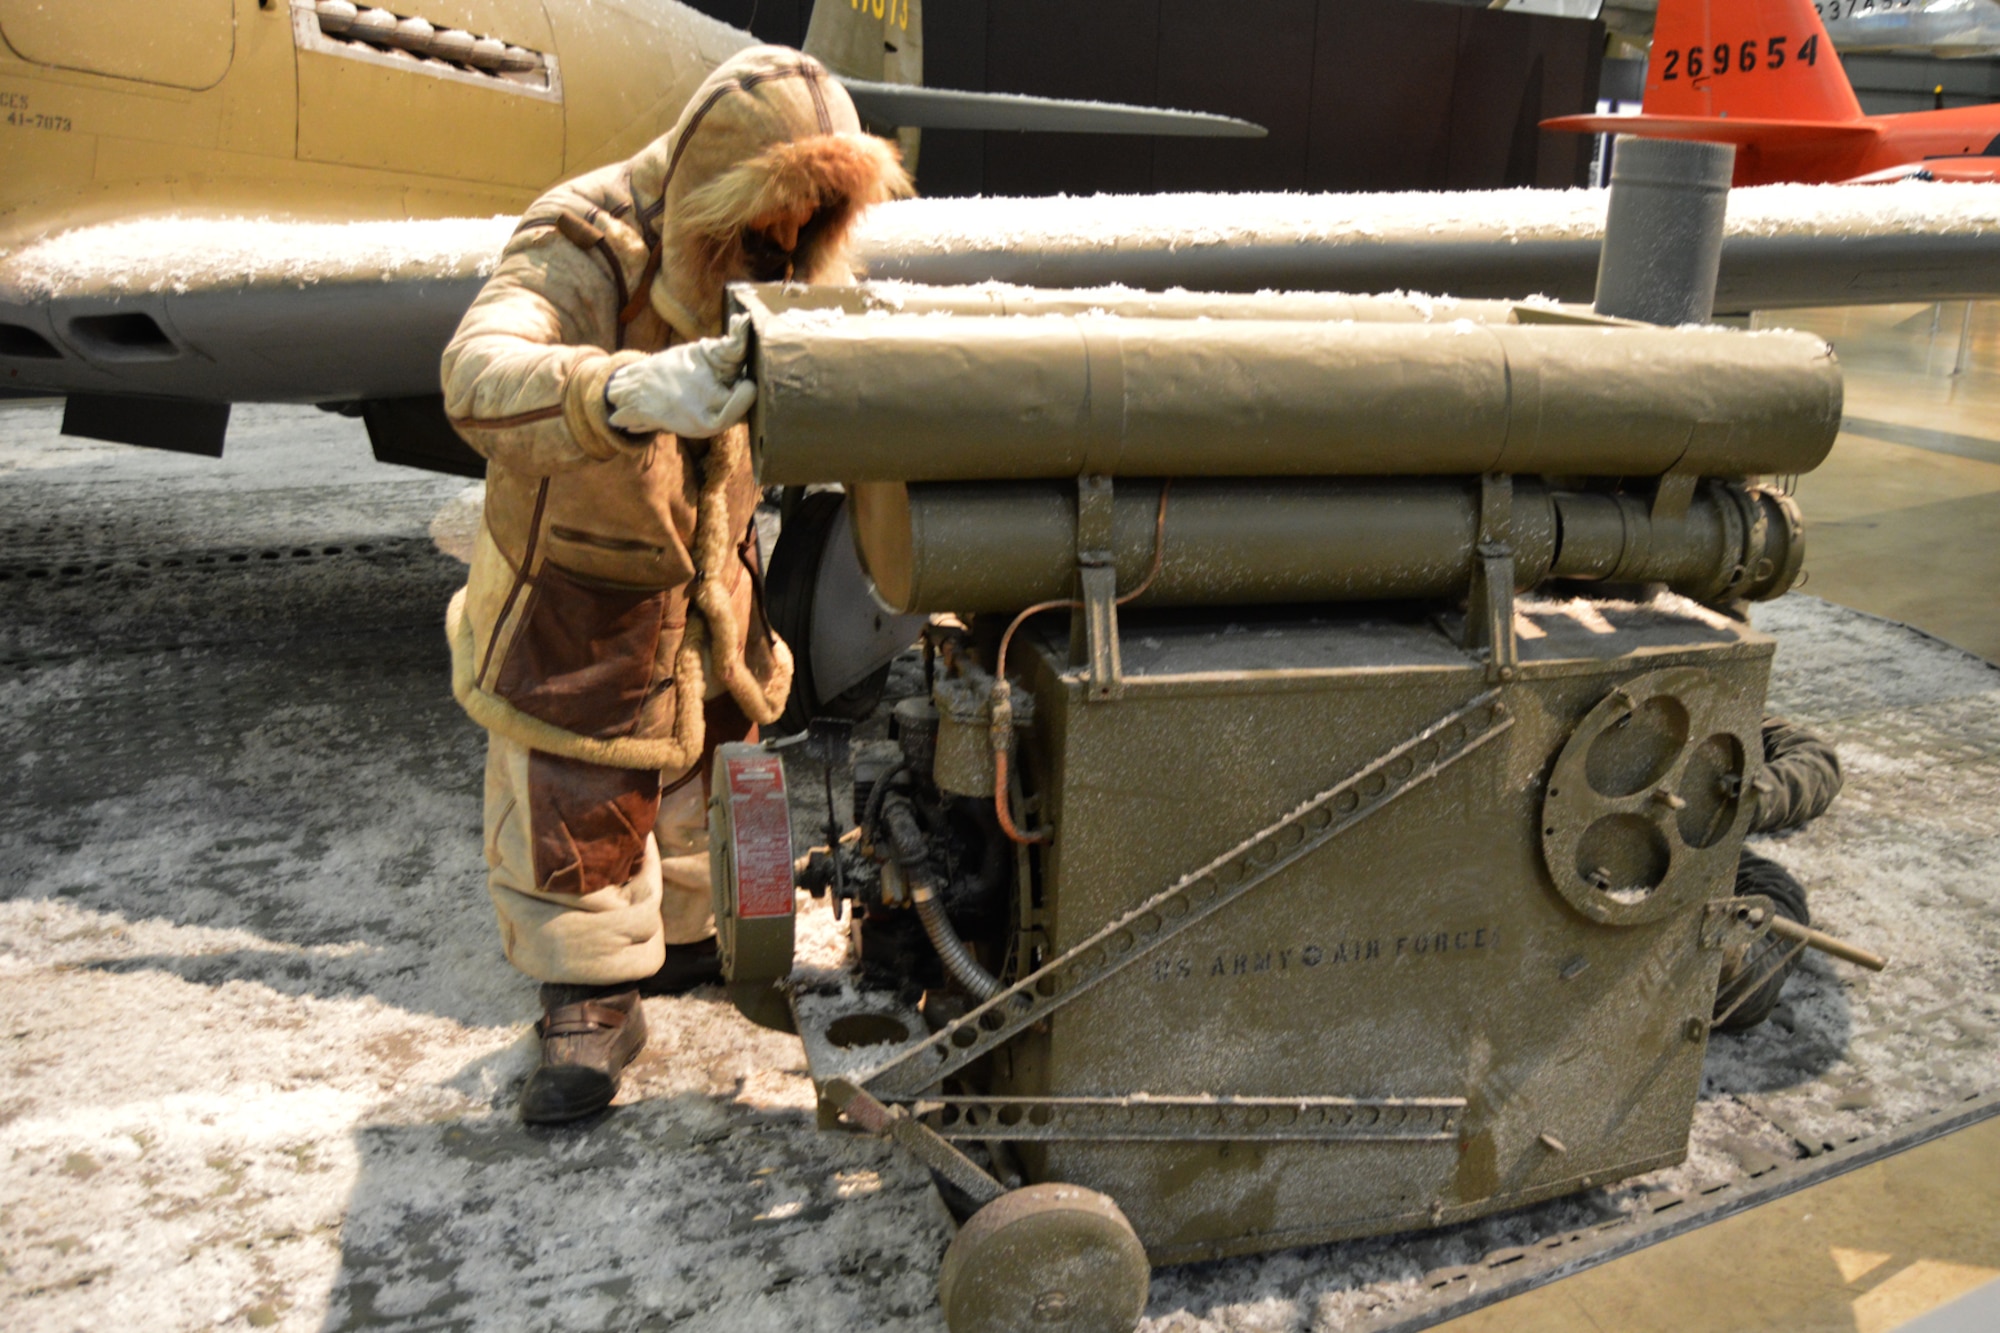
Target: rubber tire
point(1757, 874)
point(1047, 1257)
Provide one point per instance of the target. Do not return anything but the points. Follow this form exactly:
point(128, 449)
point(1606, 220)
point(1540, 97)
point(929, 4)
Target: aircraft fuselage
point(124, 108)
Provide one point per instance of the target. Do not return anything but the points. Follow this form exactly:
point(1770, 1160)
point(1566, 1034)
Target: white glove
point(691, 390)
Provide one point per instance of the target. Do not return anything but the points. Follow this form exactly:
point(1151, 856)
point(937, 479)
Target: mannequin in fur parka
point(609, 634)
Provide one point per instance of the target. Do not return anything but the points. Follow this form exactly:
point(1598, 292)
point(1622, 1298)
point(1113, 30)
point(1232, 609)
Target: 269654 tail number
point(1697, 62)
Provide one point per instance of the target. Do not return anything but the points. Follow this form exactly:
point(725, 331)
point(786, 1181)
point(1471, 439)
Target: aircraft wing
point(243, 310)
point(1715, 129)
point(254, 310)
point(1787, 245)
point(1960, 169)
point(906, 105)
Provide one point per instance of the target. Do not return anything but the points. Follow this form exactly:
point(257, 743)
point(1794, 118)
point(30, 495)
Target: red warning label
point(762, 829)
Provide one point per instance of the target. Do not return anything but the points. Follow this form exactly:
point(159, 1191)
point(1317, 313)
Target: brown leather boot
point(589, 1034)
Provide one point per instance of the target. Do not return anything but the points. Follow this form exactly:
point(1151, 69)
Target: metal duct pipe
point(1663, 230)
point(998, 547)
point(943, 398)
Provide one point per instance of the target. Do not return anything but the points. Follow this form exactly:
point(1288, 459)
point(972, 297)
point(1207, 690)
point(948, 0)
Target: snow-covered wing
point(253, 310)
point(243, 309)
point(1788, 245)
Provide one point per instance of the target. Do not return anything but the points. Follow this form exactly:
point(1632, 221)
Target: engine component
point(913, 855)
point(975, 548)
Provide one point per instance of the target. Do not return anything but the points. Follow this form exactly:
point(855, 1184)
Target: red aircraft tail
point(1746, 59)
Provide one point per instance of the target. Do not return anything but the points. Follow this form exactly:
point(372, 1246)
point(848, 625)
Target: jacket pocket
point(591, 555)
point(585, 656)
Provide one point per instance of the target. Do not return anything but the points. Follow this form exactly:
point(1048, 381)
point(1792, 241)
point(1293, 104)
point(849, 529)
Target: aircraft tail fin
point(878, 41)
point(1767, 59)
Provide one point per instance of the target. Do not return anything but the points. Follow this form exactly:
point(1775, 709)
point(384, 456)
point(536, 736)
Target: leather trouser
point(593, 871)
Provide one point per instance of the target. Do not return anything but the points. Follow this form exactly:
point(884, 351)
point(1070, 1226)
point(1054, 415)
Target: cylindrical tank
point(998, 547)
point(928, 397)
point(1663, 229)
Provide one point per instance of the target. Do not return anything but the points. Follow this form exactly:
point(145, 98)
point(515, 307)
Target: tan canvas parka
point(614, 585)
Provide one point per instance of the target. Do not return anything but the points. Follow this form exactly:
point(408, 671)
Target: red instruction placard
point(761, 835)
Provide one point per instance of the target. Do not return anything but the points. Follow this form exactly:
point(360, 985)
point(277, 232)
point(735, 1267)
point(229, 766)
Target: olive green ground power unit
point(1315, 808)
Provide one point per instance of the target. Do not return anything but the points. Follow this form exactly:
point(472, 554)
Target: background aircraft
point(1948, 28)
point(1939, 27)
point(1763, 75)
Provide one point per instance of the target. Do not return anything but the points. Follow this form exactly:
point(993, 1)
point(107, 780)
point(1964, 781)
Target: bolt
point(1695, 1029)
point(1051, 1307)
point(1552, 1143)
point(1669, 799)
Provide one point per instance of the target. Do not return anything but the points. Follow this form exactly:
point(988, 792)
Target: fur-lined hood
point(769, 129)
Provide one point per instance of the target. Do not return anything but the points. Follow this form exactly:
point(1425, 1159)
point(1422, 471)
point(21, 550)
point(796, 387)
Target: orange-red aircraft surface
point(1763, 75)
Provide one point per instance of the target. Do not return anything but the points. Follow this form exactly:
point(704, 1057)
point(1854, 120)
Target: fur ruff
point(843, 174)
point(714, 551)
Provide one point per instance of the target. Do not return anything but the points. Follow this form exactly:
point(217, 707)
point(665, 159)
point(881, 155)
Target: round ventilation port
point(1639, 749)
point(1625, 857)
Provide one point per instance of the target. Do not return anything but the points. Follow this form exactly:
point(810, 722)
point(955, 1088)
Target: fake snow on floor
point(262, 1052)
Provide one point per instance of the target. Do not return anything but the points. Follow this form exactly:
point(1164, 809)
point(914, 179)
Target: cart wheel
point(1056, 1257)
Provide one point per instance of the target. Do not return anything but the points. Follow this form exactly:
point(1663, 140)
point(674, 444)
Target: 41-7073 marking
point(1741, 57)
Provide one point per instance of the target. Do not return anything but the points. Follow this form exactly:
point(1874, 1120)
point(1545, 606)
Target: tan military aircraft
point(216, 201)
point(240, 200)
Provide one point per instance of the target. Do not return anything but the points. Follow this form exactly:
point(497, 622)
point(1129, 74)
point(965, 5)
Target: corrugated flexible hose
point(913, 854)
point(1801, 777)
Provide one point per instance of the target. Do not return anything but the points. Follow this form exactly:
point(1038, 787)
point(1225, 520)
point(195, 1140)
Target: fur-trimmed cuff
point(587, 412)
